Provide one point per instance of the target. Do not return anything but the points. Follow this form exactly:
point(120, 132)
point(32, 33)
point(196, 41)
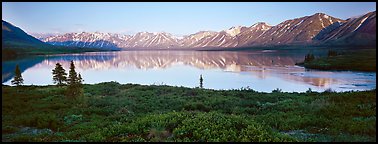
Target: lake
point(260, 70)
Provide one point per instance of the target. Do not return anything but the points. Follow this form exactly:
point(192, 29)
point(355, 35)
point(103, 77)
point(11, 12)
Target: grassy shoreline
point(362, 60)
point(14, 52)
point(131, 112)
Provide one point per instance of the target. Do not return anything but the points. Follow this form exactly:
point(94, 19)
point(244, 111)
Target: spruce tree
point(72, 78)
point(309, 57)
point(59, 75)
point(74, 82)
point(17, 80)
point(201, 81)
point(80, 79)
point(80, 84)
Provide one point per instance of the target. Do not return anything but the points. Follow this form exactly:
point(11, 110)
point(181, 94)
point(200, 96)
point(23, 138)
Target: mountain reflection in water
point(165, 59)
point(261, 71)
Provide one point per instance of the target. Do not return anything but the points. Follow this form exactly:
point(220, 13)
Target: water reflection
point(262, 71)
point(8, 67)
point(231, 61)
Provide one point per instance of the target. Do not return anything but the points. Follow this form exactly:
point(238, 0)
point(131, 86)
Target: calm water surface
point(259, 70)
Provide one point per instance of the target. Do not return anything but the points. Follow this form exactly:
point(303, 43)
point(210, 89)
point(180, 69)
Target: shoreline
point(173, 86)
point(357, 61)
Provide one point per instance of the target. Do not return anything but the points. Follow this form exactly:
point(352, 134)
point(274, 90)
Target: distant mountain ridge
point(317, 29)
point(101, 40)
point(16, 43)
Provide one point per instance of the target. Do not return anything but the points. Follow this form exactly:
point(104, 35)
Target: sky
point(177, 18)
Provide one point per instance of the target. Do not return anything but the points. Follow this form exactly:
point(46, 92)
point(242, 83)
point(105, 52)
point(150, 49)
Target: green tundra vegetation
point(361, 60)
point(111, 111)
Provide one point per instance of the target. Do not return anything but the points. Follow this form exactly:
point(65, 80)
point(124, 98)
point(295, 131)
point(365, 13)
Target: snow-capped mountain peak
point(233, 31)
point(261, 26)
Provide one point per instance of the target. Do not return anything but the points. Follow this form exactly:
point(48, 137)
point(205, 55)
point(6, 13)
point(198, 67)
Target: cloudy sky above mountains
point(176, 18)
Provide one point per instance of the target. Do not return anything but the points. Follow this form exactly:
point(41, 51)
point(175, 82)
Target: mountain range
point(12, 35)
point(16, 42)
point(317, 29)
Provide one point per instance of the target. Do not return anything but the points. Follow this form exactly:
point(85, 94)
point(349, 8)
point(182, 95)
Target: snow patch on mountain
point(233, 31)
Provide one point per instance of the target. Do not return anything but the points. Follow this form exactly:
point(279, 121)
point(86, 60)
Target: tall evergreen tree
point(59, 75)
point(17, 80)
point(80, 84)
point(201, 81)
point(72, 78)
point(74, 82)
point(309, 57)
point(80, 79)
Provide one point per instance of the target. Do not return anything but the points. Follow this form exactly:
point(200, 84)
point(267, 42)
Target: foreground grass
point(361, 60)
point(114, 112)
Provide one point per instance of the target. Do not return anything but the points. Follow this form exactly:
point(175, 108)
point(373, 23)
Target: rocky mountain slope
point(360, 30)
point(318, 28)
